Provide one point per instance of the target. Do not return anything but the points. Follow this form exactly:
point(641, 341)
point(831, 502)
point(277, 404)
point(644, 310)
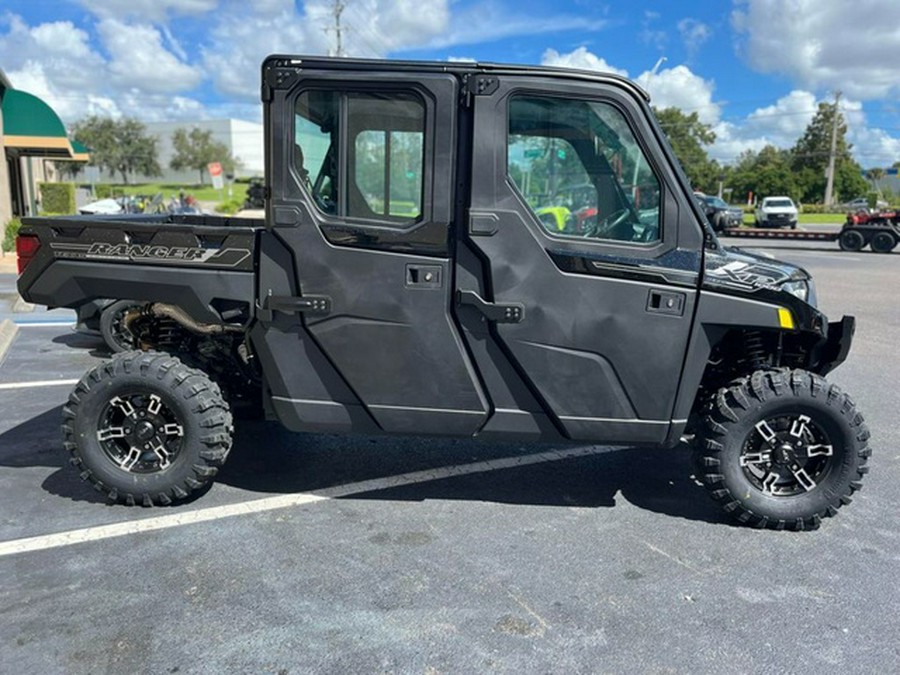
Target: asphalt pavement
point(368, 554)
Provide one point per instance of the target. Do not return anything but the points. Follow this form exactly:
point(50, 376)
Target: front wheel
point(145, 428)
point(782, 449)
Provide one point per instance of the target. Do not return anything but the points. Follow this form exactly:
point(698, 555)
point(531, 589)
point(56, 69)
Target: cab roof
point(456, 67)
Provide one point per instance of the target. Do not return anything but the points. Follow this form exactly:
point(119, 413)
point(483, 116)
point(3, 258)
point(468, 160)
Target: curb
point(22, 307)
point(8, 332)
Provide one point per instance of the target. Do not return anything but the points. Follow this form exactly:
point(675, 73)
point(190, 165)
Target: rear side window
point(581, 171)
point(360, 155)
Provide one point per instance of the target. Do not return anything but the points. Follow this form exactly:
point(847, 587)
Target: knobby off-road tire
point(112, 328)
point(144, 428)
point(782, 449)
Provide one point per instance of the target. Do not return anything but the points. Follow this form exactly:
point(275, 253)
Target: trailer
point(879, 231)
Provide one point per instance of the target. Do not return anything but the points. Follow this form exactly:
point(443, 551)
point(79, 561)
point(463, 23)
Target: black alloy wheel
point(782, 449)
point(786, 455)
point(113, 329)
point(144, 428)
point(140, 433)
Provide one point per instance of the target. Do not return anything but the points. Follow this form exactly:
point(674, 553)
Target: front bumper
point(832, 350)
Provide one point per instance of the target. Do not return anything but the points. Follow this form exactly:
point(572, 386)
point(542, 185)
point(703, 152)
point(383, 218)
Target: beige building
point(31, 137)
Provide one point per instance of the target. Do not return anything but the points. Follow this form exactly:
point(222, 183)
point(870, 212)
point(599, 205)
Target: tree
point(875, 175)
point(811, 154)
point(689, 138)
point(765, 173)
point(68, 169)
point(196, 148)
point(118, 146)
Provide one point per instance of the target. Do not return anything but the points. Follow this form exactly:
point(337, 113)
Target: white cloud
point(582, 59)
point(783, 122)
point(824, 45)
point(39, 60)
point(139, 59)
point(651, 35)
point(69, 104)
point(147, 10)
point(677, 87)
point(680, 87)
point(693, 33)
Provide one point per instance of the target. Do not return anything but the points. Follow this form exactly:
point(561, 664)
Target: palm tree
point(875, 175)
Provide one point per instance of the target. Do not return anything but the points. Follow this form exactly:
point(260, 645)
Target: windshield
point(718, 203)
point(779, 203)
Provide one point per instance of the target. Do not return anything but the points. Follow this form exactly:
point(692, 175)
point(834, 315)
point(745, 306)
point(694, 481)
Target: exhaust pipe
point(160, 310)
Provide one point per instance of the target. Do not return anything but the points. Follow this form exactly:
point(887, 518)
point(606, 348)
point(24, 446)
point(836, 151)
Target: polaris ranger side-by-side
point(403, 282)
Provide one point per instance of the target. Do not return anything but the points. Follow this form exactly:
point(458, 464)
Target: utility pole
point(337, 9)
point(829, 183)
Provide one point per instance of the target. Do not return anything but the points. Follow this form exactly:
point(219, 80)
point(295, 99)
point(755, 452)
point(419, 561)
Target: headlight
point(801, 289)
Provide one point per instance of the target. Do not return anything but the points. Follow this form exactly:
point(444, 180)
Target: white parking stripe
point(101, 532)
point(43, 324)
point(37, 383)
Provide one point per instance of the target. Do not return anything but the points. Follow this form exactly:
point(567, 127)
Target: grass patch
point(807, 219)
point(203, 193)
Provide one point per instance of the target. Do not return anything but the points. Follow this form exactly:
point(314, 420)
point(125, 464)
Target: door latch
point(666, 302)
point(290, 304)
point(512, 312)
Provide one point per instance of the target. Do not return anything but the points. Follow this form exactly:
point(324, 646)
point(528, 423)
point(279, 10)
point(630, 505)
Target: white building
point(243, 139)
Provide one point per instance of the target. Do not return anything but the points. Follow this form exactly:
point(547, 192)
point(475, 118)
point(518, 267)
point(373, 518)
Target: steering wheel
point(611, 221)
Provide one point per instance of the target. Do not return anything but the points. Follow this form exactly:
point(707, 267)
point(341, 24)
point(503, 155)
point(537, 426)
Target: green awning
point(80, 152)
point(31, 127)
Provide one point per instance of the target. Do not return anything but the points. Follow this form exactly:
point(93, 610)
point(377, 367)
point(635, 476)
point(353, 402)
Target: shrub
point(230, 206)
point(57, 197)
point(9, 234)
point(103, 190)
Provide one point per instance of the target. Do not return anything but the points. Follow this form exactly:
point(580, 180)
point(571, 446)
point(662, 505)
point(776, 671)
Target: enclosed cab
point(408, 280)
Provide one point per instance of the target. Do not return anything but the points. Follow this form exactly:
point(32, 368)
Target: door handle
point(666, 302)
point(512, 312)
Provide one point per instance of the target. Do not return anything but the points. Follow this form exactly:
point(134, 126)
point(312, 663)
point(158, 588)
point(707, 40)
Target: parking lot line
point(43, 324)
point(101, 532)
point(37, 383)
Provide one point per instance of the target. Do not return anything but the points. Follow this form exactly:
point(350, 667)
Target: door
point(591, 259)
point(362, 181)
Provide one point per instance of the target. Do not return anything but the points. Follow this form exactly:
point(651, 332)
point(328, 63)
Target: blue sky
point(753, 69)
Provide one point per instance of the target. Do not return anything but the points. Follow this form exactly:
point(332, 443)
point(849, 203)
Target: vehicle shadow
point(93, 343)
point(267, 459)
point(37, 443)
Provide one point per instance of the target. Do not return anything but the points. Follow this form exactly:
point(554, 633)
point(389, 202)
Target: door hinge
point(278, 77)
point(478, 85)
point(512, 312)
point(290, 304)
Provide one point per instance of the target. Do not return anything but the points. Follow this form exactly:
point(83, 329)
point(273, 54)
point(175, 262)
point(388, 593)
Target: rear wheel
point(113, 329)
point(145, 428)
point(883, 242)
point(782, 449)
point(851, 240)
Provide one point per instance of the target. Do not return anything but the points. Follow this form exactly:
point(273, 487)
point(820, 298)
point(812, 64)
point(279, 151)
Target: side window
point(378, 137)
point(581, 171)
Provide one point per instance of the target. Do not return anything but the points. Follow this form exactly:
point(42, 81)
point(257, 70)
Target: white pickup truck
point(776, 212)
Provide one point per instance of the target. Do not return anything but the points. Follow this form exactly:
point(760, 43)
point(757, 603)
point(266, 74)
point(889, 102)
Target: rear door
point(590, 257)
point(362, 179)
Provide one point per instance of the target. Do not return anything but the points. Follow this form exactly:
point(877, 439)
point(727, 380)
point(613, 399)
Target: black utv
point(402, 282)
